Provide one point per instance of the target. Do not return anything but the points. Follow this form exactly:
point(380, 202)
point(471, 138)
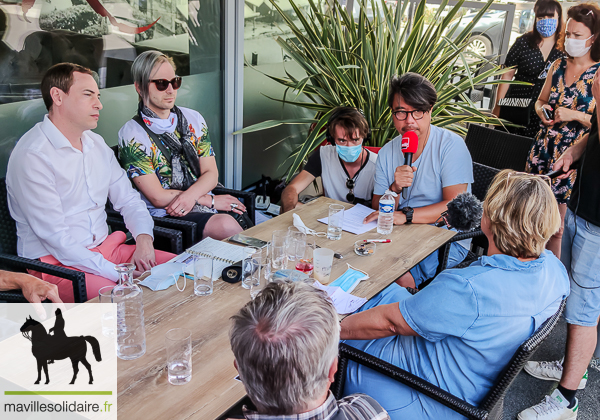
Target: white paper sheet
point(353, 220)
point(344, 302)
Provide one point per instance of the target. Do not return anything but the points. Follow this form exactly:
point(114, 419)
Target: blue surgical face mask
point(164, 276)
point(348, 153)
point(350, 279)
point(546, 27)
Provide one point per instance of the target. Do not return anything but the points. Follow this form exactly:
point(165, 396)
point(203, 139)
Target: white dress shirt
point(57, 195)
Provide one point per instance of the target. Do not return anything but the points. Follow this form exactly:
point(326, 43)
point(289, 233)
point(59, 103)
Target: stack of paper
point(353, 220)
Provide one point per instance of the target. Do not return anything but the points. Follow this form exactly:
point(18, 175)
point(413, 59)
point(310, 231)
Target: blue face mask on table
point(164, 276)
point(350, 279)
point(546, 27)
point(348, 153)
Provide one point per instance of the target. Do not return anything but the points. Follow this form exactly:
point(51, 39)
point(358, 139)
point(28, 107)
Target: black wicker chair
point(188, 228)
point(497, 149)
point(483, 176)
point(492, 405)
point(9, 260)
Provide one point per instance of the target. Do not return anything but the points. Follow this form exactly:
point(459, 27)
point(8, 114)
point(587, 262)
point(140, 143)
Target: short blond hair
point(523, 213)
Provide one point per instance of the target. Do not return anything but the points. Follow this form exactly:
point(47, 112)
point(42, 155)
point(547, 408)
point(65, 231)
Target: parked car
point(486, 35)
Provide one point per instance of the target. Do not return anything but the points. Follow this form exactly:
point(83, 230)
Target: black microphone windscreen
point(464, 212)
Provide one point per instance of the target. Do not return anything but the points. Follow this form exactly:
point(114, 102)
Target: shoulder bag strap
point(166, 152)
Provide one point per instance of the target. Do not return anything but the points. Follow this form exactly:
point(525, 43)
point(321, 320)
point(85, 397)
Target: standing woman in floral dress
point(567, 95)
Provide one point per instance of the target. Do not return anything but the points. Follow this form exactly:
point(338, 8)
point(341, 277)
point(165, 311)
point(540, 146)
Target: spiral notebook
point(224, 254)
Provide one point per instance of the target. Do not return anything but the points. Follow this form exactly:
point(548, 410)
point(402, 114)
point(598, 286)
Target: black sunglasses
point(163, 84)
point(350, 185)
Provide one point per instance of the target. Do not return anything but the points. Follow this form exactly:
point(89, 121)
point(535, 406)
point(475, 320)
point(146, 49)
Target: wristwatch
point(212, 204)
point(408, 212)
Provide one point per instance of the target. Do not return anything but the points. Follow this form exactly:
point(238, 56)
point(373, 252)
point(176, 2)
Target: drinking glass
point(335, 222)
point(296, 244)
point(305, 262)
point(278, 249)
point(249, 251)
point(323, 261)
point(108, 317)
point(203, 267)
point(261, 272)
point(178, 342)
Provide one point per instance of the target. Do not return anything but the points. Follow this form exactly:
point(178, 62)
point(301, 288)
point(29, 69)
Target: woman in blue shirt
point(461, 330)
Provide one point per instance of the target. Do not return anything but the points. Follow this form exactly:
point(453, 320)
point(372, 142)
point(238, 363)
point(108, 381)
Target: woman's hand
point(224, 203)
point(181, 205)
point(541, 115)
point(562, 114)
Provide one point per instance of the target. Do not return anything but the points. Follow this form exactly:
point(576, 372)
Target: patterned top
point(530, 67)
point(551, 142)
point(352, 407)
point(139, 155)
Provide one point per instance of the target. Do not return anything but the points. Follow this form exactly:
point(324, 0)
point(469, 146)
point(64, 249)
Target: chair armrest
point(172, 237)
point(76, 277)
point(165, 239)
point(248, 198)
point(12, 296)
point(187, 228)
point(347, 352)
point(444, 253)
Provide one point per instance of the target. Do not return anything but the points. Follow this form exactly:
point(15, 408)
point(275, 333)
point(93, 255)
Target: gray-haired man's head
point(143, 68)
point(285, 344)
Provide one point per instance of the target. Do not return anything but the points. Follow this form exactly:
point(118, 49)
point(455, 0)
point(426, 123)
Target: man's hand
point(399, 217)
point(224, 202)
point(403, 178)
point(181, 205)
point(36, 290)
point(143, 257)
point(564, 162)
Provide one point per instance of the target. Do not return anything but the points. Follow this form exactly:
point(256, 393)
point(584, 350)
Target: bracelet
point(212, 204)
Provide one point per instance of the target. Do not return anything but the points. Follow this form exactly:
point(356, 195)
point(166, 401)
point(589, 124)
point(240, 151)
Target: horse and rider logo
point(47, 348)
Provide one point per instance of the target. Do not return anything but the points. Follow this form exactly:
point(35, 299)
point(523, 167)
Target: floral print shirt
point(139, 155)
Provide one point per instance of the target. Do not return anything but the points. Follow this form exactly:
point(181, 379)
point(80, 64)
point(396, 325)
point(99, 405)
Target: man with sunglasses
point(167, 154)
point(346, 168)
point(58, 179)
point(441, 168)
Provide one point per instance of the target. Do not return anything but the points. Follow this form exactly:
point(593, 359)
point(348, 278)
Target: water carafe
point(131, 332)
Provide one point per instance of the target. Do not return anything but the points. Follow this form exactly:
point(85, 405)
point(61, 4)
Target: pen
point(378, 241)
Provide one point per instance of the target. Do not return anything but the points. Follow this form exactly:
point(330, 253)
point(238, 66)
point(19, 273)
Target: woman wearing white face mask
point(567, 97)
point(530, 58)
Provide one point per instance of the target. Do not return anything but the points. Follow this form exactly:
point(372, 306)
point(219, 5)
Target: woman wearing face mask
point(530, 56)
point(346, 168)
point(567, 97)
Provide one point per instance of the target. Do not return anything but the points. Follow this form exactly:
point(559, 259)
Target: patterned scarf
point(182, 147)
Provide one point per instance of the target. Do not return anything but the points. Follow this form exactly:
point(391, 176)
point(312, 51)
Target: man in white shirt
point(59, 177)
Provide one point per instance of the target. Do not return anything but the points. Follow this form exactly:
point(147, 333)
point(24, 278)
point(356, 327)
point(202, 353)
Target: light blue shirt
point(471, 321)
point(445, 161)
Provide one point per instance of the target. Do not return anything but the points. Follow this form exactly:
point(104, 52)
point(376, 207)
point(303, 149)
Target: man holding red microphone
point(440, 168)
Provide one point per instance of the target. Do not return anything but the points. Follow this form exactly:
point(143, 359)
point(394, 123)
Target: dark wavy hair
point(589, 15)
point(546, 9)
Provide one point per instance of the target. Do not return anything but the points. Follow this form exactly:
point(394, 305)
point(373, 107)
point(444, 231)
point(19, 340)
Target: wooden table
point(143, 389)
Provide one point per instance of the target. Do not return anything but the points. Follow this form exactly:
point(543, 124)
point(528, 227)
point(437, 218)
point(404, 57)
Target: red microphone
point(410, 144)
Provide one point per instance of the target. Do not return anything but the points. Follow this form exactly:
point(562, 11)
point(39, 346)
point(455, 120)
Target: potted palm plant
point(349, 60)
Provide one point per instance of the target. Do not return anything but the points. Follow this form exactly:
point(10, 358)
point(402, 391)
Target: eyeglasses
point(163, 84)
point(417, 114)
point(350, 185)
point(545, 178)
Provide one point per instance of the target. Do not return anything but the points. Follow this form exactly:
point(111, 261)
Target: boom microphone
point(410, 144)
point(464, 213)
